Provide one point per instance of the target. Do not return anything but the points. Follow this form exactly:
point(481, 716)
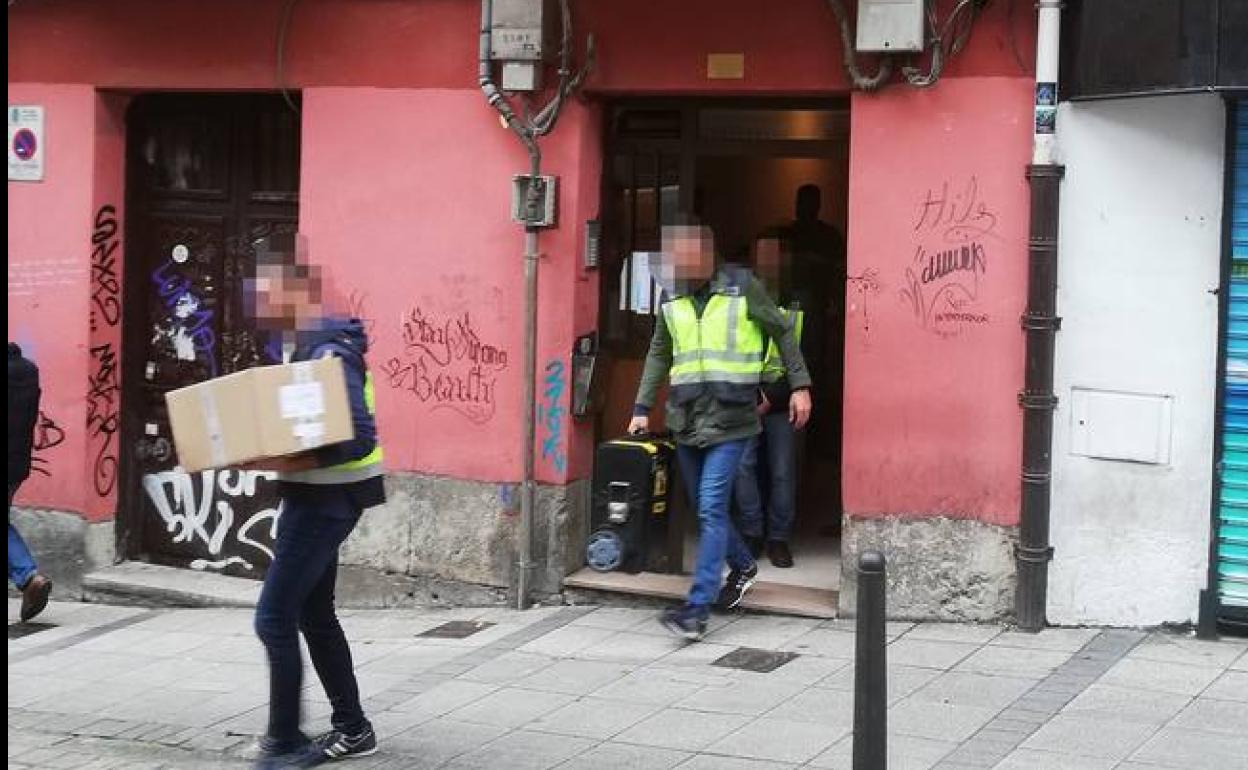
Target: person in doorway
point(709, 341)
point(23, 415)
point(814, 276)
point(323, 493)
point(776, 446)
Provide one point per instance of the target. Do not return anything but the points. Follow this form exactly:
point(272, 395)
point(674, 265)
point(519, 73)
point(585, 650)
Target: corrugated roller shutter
point(1232, 552)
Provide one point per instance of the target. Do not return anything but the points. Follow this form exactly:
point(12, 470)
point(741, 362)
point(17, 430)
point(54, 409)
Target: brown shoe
point(35, 596)
point(779, 554)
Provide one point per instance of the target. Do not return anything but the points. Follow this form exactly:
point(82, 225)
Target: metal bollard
point(870, 676)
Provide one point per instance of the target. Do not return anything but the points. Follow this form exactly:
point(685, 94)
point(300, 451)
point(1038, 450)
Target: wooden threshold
point(776, 598)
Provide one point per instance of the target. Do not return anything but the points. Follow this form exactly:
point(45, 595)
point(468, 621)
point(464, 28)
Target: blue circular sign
point(24, 144)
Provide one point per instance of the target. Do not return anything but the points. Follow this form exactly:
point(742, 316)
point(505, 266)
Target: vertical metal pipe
point(1040, 324)
point(870, 667)
point(528, 491)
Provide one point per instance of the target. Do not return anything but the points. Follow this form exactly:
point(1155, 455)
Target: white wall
point(1140, 247)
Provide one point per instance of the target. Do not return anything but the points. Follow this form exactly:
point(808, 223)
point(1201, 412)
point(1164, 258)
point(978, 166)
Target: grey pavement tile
point(652, 686)
point(620, 756)
point(1223, 716)
point(1031, 759)
point(777, 740)
point(406, 659)
point(765, 633)
point(805, 670)
point(713, 762)
point(682, 729)
point(970, 689)
point(630, 648)
point(507, 668)
point(824, 642)
point(1233, 685)
point(902, 680)
point(600, 719)
point(1163, 677)
point(523, 750)
point(971, 633)
point(1054, 639)
point(510, 707)
point(446, 697)
point(27, 690)
point(928, 654)
point(834, 709)
point(441, 740)
point(1190, 651)
point(700, 654)
point(753, 698)
point(938, 721)
point(1088, 737)
point(1194, 750)
point(1007, 661)
point(1241, 663)
point(905, 752)
point(1126, 704)
point(574, 677)
point(567, 641)
point(615, 618)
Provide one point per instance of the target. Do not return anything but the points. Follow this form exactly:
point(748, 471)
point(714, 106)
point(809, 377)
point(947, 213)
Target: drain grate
point(18, 630)
point(456, 629)
point(751, 659)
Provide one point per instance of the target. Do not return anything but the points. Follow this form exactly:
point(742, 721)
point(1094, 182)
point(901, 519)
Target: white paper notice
point(299, 402)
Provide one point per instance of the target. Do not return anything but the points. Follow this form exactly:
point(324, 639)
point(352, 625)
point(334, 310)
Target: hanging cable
point(860, 81)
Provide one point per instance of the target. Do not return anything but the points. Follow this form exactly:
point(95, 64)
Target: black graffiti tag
point(105, 282)
point(48, 435)
point(103, 419)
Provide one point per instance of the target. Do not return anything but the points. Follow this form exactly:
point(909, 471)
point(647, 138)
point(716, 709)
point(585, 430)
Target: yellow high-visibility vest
point(723, 346)
point(773, 365)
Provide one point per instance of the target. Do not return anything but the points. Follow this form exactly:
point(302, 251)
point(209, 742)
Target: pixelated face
point(767, 260)
point(285, 292)
point(691, 250)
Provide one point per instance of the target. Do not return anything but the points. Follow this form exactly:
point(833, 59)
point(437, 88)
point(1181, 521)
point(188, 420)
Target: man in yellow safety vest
point(709, 342)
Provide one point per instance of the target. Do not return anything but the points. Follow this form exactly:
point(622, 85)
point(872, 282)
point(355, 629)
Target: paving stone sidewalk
point(583, 688)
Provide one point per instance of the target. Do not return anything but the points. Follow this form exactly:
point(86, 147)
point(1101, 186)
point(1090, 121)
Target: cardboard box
point(268, 411)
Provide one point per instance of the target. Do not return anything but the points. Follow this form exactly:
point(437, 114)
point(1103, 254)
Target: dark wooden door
point(207, 175)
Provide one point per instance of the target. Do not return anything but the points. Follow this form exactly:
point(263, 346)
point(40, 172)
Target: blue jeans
point(21, 563)
point(298, 596)
point(709, 474)
point(779, 442)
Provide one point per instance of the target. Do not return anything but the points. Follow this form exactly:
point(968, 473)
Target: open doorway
point(739, 167)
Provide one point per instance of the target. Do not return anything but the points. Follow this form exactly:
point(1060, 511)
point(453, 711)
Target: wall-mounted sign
point(26, 147)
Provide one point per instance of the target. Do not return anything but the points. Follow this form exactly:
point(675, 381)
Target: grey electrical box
point(543, 213)
point(890, 26)
point(522, 29)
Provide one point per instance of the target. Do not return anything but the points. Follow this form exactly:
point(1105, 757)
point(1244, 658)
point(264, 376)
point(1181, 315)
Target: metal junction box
point(890, 26)
point(523, 30)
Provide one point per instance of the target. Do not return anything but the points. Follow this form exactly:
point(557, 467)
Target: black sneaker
point(738, 582)
point(687, 621)
point(779, 554)
point(336, 744)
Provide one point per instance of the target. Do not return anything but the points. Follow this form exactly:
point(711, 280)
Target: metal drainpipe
point(524, 534)
point(1040, 324)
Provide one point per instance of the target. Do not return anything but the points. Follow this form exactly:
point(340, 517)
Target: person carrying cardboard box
point(323, 493)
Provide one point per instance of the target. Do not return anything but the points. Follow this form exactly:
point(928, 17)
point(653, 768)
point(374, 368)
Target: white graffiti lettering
point(193, 510)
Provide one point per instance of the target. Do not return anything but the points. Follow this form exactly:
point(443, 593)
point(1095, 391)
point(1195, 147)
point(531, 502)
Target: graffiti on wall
point(861, 289)
point(105, 280)
point(48, 435)
point(186, 333)
point(199, 509)
point(447, 364)
point(103, 416)
point(952, 231)
point(551, 413)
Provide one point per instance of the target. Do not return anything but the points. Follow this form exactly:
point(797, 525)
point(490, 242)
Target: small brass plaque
point(725, 66)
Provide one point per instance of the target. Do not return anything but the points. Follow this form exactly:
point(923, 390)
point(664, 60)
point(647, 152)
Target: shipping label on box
point(268, 411)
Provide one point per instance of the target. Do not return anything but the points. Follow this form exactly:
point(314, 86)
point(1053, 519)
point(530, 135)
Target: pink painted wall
point(646, 46)
point(49, 250)
point(409, 211)
point(934, 357)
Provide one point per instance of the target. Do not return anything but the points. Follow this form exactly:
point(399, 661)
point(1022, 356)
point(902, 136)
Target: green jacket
point(707, 420)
